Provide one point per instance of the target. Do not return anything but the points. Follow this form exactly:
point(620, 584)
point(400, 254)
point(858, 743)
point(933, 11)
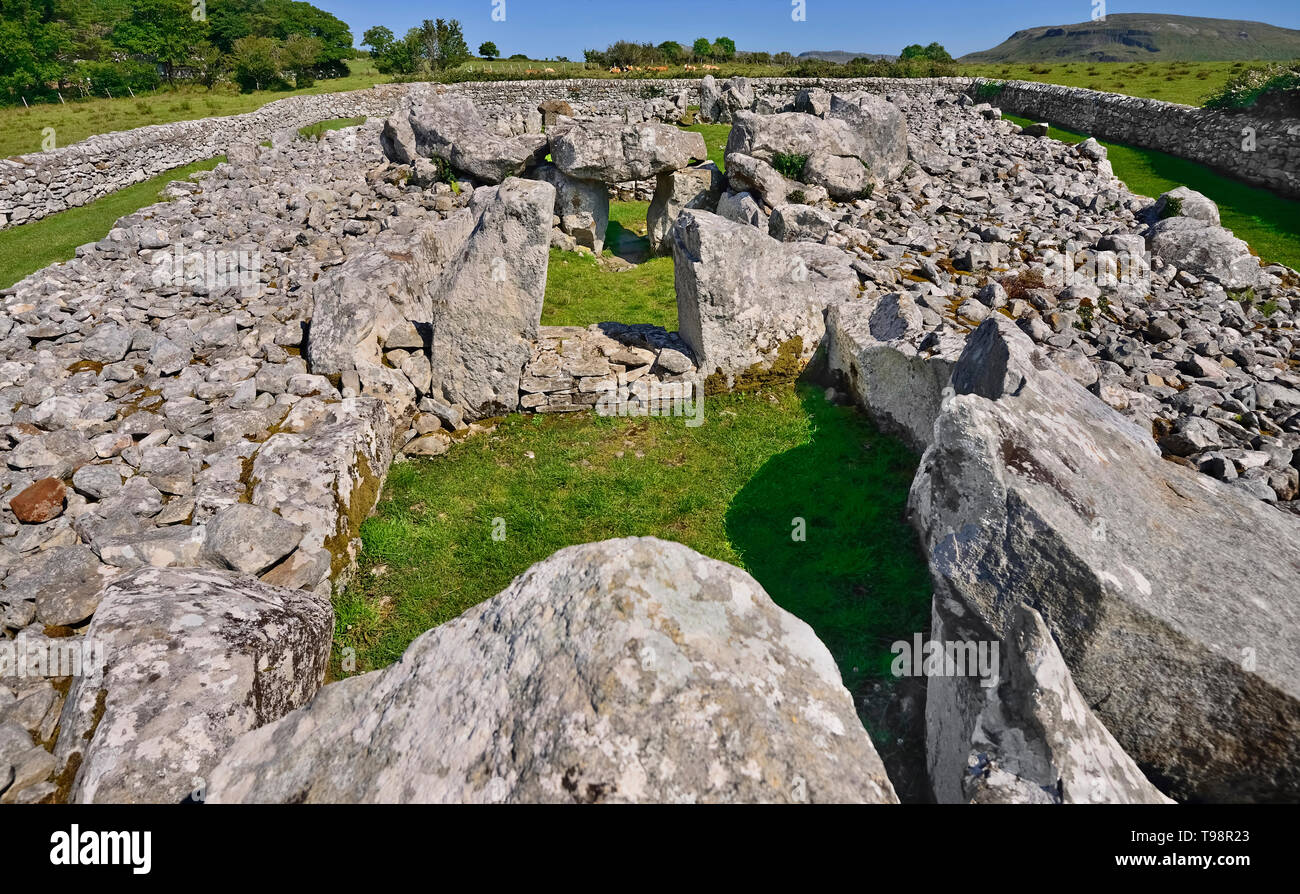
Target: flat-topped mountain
point(1130, 37)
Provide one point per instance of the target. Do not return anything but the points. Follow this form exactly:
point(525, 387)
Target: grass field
point(28, 248)
point(1185, 82)
point(315, 131)
point(736, 488)
point(579, 291)
point(21, 129)
point(1270, 224)
point(732, 489)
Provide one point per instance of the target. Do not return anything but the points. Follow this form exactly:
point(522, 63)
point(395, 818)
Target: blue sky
point(550, 28)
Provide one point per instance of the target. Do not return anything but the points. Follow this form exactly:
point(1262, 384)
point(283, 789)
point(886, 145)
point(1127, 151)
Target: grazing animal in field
point(689, 67)
point(550, 71)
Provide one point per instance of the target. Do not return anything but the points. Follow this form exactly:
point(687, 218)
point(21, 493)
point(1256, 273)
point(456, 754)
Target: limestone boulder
point(616, 153)
point(895, 369)
point(1028, 736)
point(881, 128)
point(488, 301)
point(1170, 594)
point(752, 308)
point(192, 659)
point(792, 134)
point(449, 127)
point(581, 205)
point(626, 671)
point(745, 173)
point(697, 187)
point(1204, 249)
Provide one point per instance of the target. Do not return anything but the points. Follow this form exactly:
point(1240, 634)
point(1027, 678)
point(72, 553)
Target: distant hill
point(840, 57)
point(1134, 37)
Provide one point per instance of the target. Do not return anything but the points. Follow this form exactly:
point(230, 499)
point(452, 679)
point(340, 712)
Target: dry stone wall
point(1254, 149)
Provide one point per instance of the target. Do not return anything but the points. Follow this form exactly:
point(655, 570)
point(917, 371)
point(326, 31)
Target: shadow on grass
point(858, 578)
point(627, 244)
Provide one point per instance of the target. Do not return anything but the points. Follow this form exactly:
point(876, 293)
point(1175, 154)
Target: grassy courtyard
point(764, 467)
point(733, 489)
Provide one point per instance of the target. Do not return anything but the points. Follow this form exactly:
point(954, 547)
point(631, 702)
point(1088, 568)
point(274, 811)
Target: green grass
point(29, 247)
point(731, 489)
point(579, 291)
point(1190, 83)
point(715, 138)
point(1268, 223)
point(315, 131)
point(21, 129)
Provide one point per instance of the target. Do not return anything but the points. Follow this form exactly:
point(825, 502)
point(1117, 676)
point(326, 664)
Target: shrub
point(1019, 286)
point(797, 197)
point(789, 166)
point(1173, 207)
point(988, 91)
point(1255, 83)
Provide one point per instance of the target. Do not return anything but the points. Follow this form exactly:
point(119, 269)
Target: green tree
point(162, 31)
point(209, 64)
point(299, 55)
point(33, 50)
point(724, 48)
point(256, 62)
point(443, 44)
point(379, 39)
point(671, 51)
point(936, 53)
point(702, 49)
point(912, 51)
point(488, 50)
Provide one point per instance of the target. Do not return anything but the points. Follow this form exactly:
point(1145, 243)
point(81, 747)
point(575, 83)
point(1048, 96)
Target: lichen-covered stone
point(626, 671)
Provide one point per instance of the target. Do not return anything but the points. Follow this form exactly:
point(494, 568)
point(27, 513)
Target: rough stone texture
point(615, 153)
point(1147, 573)
point(489, 302)
point(614, 368)
point(748, 305)
point(754, 175)
point(880, 126)
point(743, 208)
point(250, 539)
point(793, 133)
point(625, 671)
point(38, 184)
point(449, 127)
point(697, 187)
point(1204, 249)
point(192, 659)
point(581, 205)
point(39, 503)
point(328, 478)
point(1028, 739)
point(895, 369)
point(56, 587)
